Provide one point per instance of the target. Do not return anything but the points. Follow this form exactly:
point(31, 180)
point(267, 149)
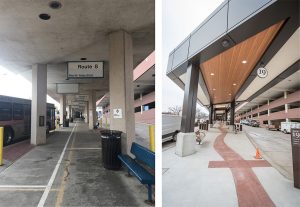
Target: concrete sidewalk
point(80, 180)
point(207, 179)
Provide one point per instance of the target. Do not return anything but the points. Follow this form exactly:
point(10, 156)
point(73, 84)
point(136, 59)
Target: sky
point(15, 85)
point(179, 19)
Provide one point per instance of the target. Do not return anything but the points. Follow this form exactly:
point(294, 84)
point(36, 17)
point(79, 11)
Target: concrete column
point(141, 98)
point(38, 104)
point(121, 87)
point(69, 112)
point(85, 112)
point(62, 108)
point(92, 109)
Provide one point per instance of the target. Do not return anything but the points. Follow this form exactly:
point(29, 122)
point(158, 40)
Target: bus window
point(18, 111)
point(5, 111)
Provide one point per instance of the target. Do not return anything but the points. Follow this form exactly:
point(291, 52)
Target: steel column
point(190, 99)
point(232, 109)
point(211, 114)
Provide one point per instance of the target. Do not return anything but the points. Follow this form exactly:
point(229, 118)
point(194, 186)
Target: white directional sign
point(85, 70)
point(262, 72)
point(67, 88)
point(117, 113)
point(81, 97)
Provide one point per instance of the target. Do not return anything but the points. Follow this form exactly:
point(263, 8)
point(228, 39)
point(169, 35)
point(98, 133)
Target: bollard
point(152, 137)
point(1, 145)
point(100, 122)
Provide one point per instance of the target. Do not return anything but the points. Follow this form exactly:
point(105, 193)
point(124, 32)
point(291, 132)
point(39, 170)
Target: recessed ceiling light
point(229, 94)
point(212, 74)
point(82, 58)
point(214, 89)
point(44, 16)
point(234, 84)
point(244, 61)
point(55, 5)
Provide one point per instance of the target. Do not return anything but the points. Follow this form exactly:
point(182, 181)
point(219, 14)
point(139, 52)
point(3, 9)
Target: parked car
point(254, 123)
point(287, 126)
point(245, 122)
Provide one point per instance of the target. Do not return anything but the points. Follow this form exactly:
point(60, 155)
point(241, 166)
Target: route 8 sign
point(262, 72)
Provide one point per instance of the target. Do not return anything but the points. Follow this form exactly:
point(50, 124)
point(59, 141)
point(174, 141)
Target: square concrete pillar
point(121, 87)
point(185, 144)
point(39, 104)
point(92, 109)
point(62, 108)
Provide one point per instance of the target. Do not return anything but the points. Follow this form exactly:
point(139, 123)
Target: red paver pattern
point(13, 152)
point(249, 190)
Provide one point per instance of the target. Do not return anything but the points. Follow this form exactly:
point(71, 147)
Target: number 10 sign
point(262, 72)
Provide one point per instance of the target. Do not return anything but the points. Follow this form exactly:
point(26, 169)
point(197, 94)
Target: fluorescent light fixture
point(244, 61)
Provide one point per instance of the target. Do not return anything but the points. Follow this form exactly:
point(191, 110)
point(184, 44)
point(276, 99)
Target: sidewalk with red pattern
point(223, 172)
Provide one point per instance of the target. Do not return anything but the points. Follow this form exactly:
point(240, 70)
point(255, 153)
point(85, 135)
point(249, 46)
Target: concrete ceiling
point(79, 29)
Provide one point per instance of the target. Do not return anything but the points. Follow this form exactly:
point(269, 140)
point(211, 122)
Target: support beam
point(211, 111)
point(38, 104)
point(232, 109)
point(121, 87)
point(62, 108)
point(92, 109)
point(190, 99)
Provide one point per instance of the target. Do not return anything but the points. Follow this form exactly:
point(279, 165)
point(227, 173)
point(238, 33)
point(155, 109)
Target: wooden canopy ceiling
point(225, 73)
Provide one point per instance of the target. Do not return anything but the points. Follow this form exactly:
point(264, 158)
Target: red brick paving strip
point(13, 152)
point(249, 190)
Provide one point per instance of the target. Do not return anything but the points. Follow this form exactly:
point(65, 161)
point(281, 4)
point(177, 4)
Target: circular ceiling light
point(44, 16)
point(214, 89)
point(244, 61)
point(229, 94)
point(55, 5)
point(225, 43)
point(212, 74)
point(234, 84)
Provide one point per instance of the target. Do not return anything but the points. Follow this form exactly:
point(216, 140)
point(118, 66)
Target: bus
point(15, 117)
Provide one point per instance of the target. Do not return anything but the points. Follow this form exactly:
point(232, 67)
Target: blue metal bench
point(145, 156)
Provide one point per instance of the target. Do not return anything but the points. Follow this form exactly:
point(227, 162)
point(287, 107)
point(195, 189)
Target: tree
point(175, 110)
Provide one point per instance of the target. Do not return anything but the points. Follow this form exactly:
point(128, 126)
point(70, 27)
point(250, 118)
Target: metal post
point(152, 137)
point(1, 145)
point(232, 109)
point(190, 99)
point(210, 114)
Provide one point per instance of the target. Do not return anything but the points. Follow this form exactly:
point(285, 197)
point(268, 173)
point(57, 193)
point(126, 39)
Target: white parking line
point(52, 178)
point(23, 186)
point(86, 148)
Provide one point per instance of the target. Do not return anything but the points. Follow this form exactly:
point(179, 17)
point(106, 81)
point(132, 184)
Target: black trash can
point(66, 123)
point(71, 119)
point(111, 148)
